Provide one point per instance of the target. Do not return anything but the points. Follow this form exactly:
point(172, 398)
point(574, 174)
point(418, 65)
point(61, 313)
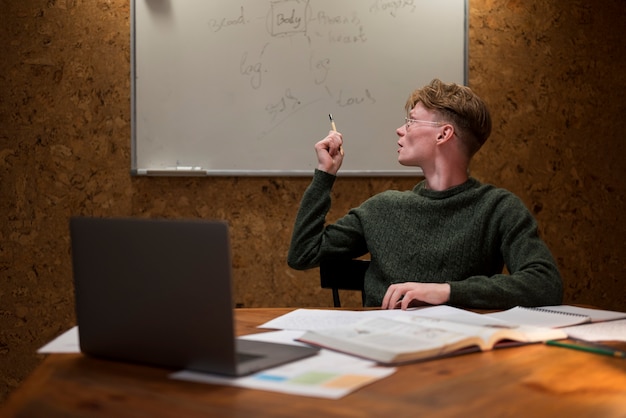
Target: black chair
point(337, 274)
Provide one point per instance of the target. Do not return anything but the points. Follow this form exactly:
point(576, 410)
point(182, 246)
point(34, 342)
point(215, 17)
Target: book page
point(394, 336)
point(396, 340)
point(488, 333)
point(390, 341)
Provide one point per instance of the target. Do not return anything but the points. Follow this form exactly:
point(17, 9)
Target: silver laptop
point(159, 292)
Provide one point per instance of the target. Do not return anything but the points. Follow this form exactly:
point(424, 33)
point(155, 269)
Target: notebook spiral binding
point(554, 312)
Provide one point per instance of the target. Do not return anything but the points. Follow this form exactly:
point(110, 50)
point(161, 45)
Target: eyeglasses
point(408, 122)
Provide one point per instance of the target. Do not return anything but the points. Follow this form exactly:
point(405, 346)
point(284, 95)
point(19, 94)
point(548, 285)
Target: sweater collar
point(421, 189)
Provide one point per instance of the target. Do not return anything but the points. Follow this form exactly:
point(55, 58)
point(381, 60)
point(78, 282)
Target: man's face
point(417, 138)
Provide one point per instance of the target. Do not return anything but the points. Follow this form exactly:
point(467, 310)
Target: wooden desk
point(534, 381)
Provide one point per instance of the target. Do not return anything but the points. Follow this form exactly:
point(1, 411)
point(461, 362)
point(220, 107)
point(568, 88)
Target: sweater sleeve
point(311, 239)
point(533, 277)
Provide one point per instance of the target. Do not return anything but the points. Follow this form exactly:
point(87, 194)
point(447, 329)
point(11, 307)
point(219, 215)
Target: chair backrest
point(338, 274)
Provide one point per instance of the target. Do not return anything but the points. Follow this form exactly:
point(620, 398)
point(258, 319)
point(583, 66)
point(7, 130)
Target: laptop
point(159, 292)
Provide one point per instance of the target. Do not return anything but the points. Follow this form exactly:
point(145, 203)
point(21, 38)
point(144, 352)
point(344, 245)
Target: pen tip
point(330, 116)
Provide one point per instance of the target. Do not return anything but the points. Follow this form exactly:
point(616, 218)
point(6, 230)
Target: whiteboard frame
point(199, 172)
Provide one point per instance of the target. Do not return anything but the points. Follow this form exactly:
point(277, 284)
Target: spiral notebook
point(555, 316)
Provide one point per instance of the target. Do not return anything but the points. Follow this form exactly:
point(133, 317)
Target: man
point(447, 240)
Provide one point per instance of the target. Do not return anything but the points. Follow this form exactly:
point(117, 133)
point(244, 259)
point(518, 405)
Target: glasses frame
point(409, 121)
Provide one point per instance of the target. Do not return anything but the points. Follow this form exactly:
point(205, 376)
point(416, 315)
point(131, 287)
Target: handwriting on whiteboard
point(288, 19)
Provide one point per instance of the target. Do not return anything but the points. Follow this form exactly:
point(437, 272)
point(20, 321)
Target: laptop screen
point(154, 291)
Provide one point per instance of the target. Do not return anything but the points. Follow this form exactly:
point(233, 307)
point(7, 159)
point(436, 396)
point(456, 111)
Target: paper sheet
point(316, 319)
point(327, 375)
point(64, 343)
point(555, 316)
point(599, 331)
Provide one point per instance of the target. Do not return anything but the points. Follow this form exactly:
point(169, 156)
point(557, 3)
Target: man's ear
point(446, 132)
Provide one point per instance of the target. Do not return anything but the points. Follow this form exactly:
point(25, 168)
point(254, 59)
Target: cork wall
point(552, 72)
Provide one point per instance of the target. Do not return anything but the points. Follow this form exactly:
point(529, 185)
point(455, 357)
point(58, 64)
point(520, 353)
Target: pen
point(334, 128)
point(607, 351)
point(332, 122)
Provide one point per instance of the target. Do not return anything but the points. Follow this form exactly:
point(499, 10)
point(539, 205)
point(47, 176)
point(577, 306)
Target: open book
point(555, 316)
point(400, 340)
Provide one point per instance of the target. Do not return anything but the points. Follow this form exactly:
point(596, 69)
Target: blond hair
point(458, 105)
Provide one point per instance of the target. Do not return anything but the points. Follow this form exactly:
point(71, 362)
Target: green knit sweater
point(462, 236)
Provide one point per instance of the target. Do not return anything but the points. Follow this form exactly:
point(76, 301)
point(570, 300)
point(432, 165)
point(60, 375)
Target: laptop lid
point(159, 292)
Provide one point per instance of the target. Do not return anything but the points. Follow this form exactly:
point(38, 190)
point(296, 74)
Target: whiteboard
point(246, 87)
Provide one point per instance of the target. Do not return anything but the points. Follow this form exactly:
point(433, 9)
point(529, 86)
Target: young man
point(447, 240)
